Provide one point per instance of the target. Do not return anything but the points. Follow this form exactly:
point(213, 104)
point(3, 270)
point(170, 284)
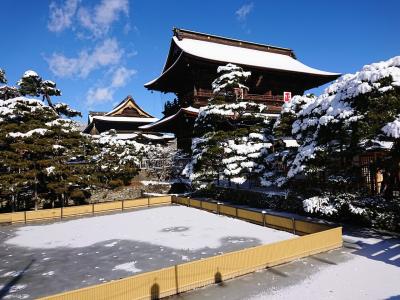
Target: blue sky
point(100, 51)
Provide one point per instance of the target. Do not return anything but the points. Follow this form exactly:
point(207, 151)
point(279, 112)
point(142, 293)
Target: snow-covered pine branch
point(356, 108)
point(3, 78)
point(230, 77)
point(33, 85)
point(66, 110)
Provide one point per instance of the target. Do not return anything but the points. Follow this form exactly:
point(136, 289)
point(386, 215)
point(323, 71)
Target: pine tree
point(33, 85)
point(171, 107)
point(36, 146)
point(3, 78)
point(230, 81)
point(354, 112)
point(232, 138)
point(7, 92)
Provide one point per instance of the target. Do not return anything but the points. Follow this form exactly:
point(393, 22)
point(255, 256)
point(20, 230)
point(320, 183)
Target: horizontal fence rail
point(184, 277)
point(81, 210)
point(293, 225)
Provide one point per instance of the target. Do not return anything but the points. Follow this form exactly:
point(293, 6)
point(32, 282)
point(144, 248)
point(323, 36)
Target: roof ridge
point(185, 33)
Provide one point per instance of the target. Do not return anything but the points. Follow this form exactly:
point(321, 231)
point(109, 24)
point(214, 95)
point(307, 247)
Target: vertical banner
point(287, 96)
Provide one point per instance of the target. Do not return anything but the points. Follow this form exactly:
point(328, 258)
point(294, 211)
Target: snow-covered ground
point(367, 267)
point(47, 258)
point(372, 272)
point(177, 227)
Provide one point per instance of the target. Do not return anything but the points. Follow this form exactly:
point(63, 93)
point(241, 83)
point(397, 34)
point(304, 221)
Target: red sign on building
point(287, 96)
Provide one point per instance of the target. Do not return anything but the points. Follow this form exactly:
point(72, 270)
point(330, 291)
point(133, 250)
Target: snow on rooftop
point(245, 56)
point(157, 137)
point(126, 136)
point(125, 119)
point(191, 109)
point(187, 109)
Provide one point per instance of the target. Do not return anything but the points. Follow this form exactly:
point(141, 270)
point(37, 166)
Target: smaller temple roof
point(127, 116)
point(166, 124)
point(170, 124)
point(128, 106)
point(125, 119)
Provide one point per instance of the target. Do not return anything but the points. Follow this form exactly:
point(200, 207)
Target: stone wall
point(133, 191)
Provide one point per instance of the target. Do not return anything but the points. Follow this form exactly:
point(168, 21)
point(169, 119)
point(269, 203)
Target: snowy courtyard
point(367, 267)
point(47, 258)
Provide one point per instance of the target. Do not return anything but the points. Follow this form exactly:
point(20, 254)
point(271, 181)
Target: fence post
point(176, 279)
point(189, 202)
point(92, 208)
point(25, 216)
point(62, 212)
point(201, 204)
point(219, 208)
point(294, 225)
point(236, 212)
point(264, 217)
point(148, 201)
point(123, 205)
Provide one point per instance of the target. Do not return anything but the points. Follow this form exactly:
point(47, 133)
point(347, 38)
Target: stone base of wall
point(137, 189)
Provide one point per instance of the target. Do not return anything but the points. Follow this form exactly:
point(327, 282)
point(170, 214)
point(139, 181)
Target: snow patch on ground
point(128, 267)
point(50, 273)
point(11, 274)
point(204, 229)
point(111, 244)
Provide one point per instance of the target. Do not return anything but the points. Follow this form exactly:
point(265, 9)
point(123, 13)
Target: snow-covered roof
point(222, 53)
point(159, 137)
point(188, 48)
point(129, 136)
point(128, 100)
point(245, 56)
point(188, 109)
point(125, 119)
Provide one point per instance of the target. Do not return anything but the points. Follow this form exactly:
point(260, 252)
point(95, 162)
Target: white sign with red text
point(287, 96)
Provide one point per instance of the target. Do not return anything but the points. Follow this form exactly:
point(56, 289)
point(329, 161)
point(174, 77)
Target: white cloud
point(105, 54)
point(119, 79)
point(121, 76)
point(100, 94)
point(61, 16)
point(99, 19)
point(244, 10)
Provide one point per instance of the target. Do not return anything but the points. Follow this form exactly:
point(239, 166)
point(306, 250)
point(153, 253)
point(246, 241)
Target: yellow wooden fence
point(179, 278)
point(90, 209)
point(299, 227)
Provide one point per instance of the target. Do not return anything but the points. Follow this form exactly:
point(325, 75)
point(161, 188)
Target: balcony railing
point(274, 102)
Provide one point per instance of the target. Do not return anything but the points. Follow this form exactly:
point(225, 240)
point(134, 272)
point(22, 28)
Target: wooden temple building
point(125, 119)
point(191, 66)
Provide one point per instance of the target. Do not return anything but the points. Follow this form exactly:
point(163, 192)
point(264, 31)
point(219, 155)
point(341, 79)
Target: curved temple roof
point(245, 56)
point(222, 53)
